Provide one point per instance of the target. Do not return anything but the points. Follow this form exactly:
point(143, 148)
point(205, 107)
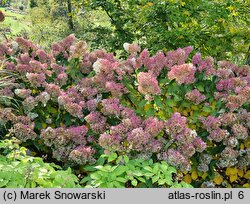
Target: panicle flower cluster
point(195, 96)
point(78, 133)
point(207, 66)
point(25, 45)
point(36, 80)
point(6, 115)
point(178, 57)
point(148, 84)
point(78, 49)
point(233, 84)
point(183, 74)
point(205, 161)
point(96, 121)
point(111, 107)
point(68, 143)
point(176, 124)
point(211, 123)
point(4, 50)
point(116, 89)
point(61, 79)
point(43, 97)
point(176, 159)
point(23, 132)
point(53, 89)
point(63, 47)
point(71, 107)
point(22, 93)
point(29, 104)
point(129, 119)
point(186, 139)
point(111, 142)
point(91, 104)
point(154, 64)
point(82, 155)
point(133, 134)
point(138, 139)
point(228, 157)
point(228, 119)
point(133, 49)
point(7, 91)
point(239, 131)
point(218, 135)
point(153, 126)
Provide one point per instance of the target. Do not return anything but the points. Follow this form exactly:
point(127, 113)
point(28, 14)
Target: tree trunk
point(70, 17)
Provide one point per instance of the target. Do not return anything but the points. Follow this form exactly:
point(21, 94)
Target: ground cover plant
point(177, 117)
point(19, 170)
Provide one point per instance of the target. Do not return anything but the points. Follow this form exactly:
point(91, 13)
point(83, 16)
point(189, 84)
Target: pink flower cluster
point(68, 143)
point(233, 84)
point(229, 128)
point(148, 84)
point(183, 74)
point(96, 121)
point(111, 107)
point(187, 140)
point(82, 155)
point(195, 96)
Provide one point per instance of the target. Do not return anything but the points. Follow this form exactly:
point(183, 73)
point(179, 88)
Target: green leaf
point(161, 181)
point(170, 102)
point(148, 168)
point(134, 182)
point(168, 179)
point(158, 101)
point(148, 174)
point(206, 109)
point(95, 176)
point(171, 170)
point(155, 179)
point(126, 159)
point(112, 157)
point(118, 184)
point(121, 179)
point(156, 168)
point(200, 87)
point(85, 179)
point(120, 170)
point(141, 179)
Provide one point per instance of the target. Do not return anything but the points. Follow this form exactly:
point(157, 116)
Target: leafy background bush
point(215, 28)
point(74, 105)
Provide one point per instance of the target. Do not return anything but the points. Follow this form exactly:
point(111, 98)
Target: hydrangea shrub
point(174, 106)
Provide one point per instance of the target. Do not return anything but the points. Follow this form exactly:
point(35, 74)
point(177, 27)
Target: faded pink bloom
point(218, 135)
point(82, 155)
point(111, 107)
point(22, 93)
point(195, 96)
point(36, 80)
point(199, 144)
point(110, 142)
point(176, 159)
point(183, 74)
point(133, 49)
point(148, 84)
point(176, 124)
point(138, 139)
point(153, 126)
point(197, 60)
